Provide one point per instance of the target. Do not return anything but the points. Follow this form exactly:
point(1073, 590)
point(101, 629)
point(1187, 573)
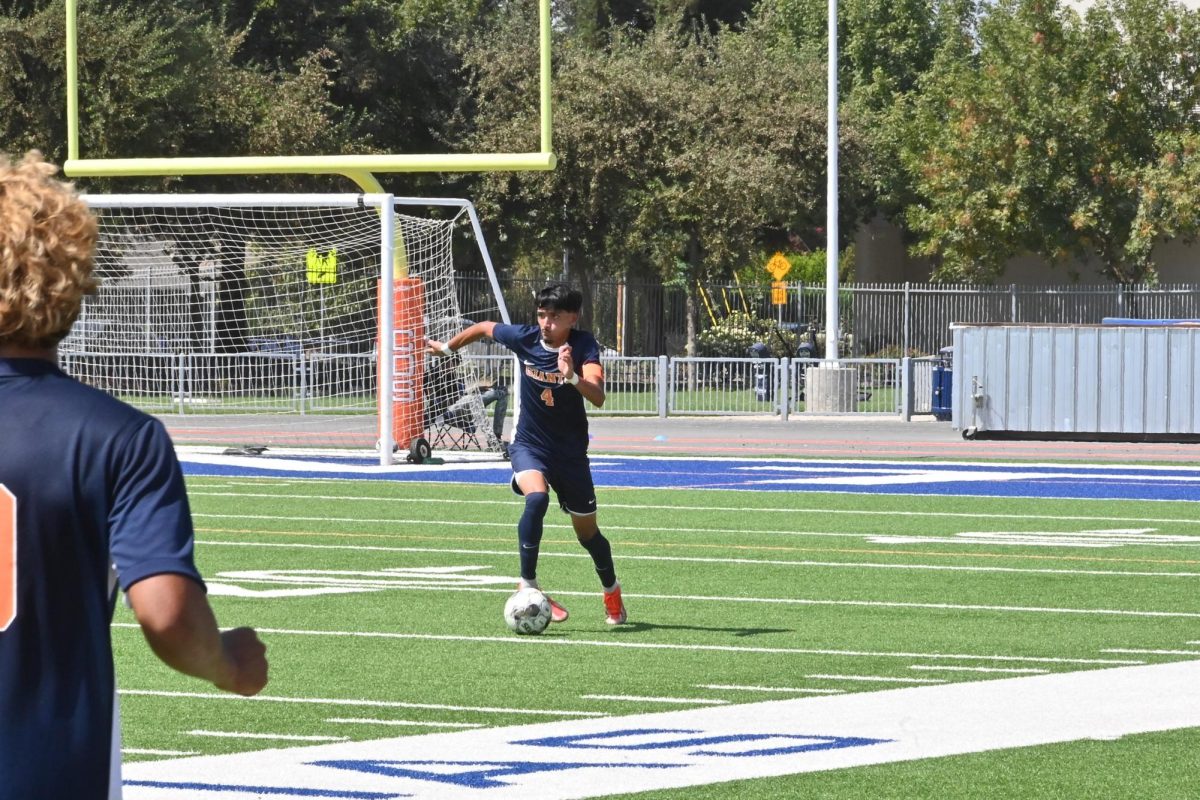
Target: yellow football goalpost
point(359, 168)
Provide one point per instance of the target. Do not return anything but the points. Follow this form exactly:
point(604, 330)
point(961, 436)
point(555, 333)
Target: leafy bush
point(732, 336)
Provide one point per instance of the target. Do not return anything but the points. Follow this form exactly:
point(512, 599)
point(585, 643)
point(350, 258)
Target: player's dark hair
point(560, 297)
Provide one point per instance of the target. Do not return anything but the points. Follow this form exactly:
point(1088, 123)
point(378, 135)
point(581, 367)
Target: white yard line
point(741, 531)
point(326, 701)
point(1151, 652)
point(403, 723)
point(143, 751)
point(1008, 670)
point(681, 701)
point(526, 641)
point(569, 760)
point(707, 560)
point(284, 737)
point(874, 678)
point(709, 509)
point(780, 689)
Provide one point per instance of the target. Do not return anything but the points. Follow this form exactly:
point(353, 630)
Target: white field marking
point(854, 476)
point(300, 465)
point(710, 509)
point(142, 751)
point(282, 576)
point(570, 760)
point(1135, 651)
point(403, 722)
point(707, 648)
point(285, 737)
point(949, 668)
point(781, 689)
point(648, 506)
point(773, 562)
point(1037, 538)
point(914, 477)
point(318, 581)
point(1117, 537)
point(878, 679)
point(680, 701)
point(324, 701)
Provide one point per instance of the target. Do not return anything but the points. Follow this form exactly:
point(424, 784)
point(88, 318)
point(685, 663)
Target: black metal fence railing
point(885, 320)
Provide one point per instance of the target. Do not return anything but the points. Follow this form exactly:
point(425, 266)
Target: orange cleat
point(614, 608)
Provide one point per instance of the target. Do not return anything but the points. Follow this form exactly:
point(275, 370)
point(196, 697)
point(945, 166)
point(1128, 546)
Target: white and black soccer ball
point(527, 611)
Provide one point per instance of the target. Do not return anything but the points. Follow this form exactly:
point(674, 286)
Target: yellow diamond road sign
point(779, 266)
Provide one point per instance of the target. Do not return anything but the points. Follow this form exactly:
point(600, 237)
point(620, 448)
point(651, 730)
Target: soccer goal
point(291, 321)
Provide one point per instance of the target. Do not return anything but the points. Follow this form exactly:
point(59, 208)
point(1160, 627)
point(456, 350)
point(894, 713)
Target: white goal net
point(276, 321)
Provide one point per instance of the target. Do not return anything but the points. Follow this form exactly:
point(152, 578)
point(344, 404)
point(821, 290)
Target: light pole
point(831, 197)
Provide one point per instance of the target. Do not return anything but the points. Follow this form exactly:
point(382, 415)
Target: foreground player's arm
point(590, 384)
point(181, 630)
point(479, 330)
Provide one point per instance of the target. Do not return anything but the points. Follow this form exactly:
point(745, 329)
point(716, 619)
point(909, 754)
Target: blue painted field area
point(878, 477)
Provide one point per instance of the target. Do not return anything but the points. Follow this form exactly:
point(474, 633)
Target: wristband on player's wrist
point(573, 380)
point(445, 350)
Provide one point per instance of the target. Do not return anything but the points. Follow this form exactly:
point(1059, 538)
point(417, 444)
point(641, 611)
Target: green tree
point(678, 153)
point(1034, 142)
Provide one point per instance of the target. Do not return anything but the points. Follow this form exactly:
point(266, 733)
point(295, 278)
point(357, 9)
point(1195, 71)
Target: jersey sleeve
point(506, 335)
point(588, 350)
point(150, 523)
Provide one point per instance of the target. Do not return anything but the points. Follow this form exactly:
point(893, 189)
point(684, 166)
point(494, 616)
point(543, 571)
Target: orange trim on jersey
point(8, 557)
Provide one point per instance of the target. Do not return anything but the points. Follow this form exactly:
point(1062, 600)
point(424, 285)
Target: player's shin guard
point(529, 532)
point(601, 552)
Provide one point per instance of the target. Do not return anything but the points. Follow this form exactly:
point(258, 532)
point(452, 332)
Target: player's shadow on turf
point(637, 627)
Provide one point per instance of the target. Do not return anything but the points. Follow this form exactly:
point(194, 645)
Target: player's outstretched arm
point(181, 630)
point(479, 330)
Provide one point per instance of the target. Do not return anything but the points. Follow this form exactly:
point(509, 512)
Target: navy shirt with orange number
point(86, 483)
point(552, 416)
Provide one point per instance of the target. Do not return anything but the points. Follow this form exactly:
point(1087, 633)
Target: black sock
point(601, 552)
point(529, 532)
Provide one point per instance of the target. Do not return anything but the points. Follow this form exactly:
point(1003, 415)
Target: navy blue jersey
point(552, 416)
point(88, 483)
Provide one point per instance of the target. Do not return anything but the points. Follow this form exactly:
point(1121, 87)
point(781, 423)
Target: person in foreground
point(91, 496)
point(561, 367)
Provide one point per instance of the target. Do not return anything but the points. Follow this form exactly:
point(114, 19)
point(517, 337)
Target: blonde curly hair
point(47, 239)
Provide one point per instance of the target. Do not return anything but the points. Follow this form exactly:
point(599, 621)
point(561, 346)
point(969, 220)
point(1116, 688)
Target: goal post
point(291, 320)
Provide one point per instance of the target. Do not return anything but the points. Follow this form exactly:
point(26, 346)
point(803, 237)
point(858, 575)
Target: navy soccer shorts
point(570, 476)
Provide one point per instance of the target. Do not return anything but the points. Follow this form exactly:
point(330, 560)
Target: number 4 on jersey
point(8, 557)
point(547, 397)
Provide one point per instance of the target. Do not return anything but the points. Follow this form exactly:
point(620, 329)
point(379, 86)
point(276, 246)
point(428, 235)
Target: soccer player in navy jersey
point(560, 367)
point(91, 496)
